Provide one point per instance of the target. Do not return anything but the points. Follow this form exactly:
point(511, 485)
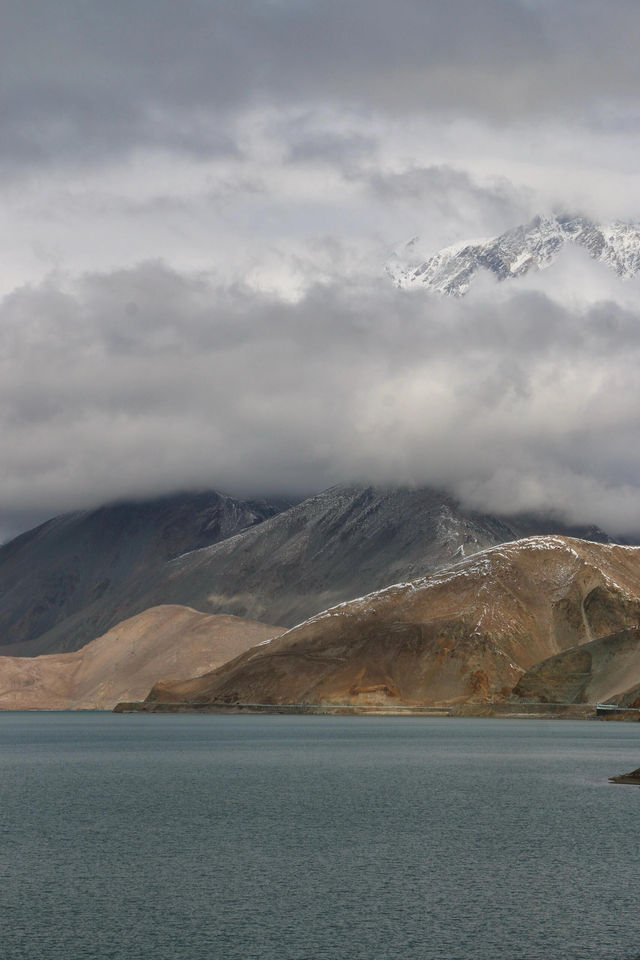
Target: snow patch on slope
point(535, 245)
point(482, 566)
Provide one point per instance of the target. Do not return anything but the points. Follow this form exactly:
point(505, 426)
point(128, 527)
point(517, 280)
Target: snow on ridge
point(479, 563)
point(534, 245)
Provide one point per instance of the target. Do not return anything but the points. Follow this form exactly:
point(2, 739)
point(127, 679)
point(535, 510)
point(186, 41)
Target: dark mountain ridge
point(80, 561)
point(72, 579)
point(342, 543)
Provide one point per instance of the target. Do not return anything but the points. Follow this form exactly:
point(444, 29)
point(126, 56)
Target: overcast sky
point(197, 200)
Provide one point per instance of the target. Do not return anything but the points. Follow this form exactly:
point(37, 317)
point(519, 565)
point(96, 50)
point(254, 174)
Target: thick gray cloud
point(226, 133)
point(196, 204)
point(84, 79)
point(146, 380)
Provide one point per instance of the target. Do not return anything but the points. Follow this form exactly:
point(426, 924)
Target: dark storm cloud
point(81, 78)
point(146, 380)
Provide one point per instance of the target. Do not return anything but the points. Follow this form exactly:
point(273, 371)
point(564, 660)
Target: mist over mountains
point(244, 469)
point(451, 606)
point(144, 381)
point(192, 297)
point(195, 228)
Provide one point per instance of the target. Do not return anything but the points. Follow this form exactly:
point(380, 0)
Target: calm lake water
point(283, 838)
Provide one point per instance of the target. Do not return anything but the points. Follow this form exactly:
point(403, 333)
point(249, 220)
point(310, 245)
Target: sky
point(197, 202)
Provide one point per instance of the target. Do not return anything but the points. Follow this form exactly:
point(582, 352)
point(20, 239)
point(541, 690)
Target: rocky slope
point(161, 643)
point(532, 246)
point(632, 778)
point(69, 581)
point(603, 669)
point(628, 698)
point(346, 541)
point(469, 632)
point(97, 562)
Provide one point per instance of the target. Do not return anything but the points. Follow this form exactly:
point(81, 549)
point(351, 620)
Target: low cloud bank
point(147, 380)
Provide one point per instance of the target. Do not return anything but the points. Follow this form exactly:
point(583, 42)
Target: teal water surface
point(316, 838)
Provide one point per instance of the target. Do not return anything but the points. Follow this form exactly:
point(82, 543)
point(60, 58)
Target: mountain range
point(532, 246)
point(177, 595)
point(72, 579)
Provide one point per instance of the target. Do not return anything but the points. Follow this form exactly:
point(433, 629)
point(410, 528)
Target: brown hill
point(469, 632)
point(628, 698)
point(606, 668)
point(163, 642)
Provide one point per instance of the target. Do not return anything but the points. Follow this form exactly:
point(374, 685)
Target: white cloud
point(195, 212)
point(148, 380)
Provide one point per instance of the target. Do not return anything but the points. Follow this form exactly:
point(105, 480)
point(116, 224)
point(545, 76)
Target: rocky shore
point(505, 709)
point(633, 778)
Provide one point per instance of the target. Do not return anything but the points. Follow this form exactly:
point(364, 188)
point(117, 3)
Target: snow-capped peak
point(534, 245)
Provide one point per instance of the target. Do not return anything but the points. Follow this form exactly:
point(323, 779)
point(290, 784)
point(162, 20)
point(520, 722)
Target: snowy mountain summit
point(532, 246)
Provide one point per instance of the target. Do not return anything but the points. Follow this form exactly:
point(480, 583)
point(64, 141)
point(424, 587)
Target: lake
point(185, 837)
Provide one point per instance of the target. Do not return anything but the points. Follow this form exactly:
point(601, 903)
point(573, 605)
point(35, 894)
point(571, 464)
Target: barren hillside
point(596, 671)
point(469, 632)
point(160, 643)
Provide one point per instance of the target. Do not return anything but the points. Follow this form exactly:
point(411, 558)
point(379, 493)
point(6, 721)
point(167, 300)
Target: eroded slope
point(469, 632)
point(605, 668)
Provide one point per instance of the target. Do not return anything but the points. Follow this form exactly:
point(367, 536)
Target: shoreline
point(510, 711)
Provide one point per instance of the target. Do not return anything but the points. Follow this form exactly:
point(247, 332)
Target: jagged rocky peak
point(534, 245)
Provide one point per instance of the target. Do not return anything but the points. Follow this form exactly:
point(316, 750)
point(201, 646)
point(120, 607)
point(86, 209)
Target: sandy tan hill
point(160, 643)
point(606, 668)
point(469, 632)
